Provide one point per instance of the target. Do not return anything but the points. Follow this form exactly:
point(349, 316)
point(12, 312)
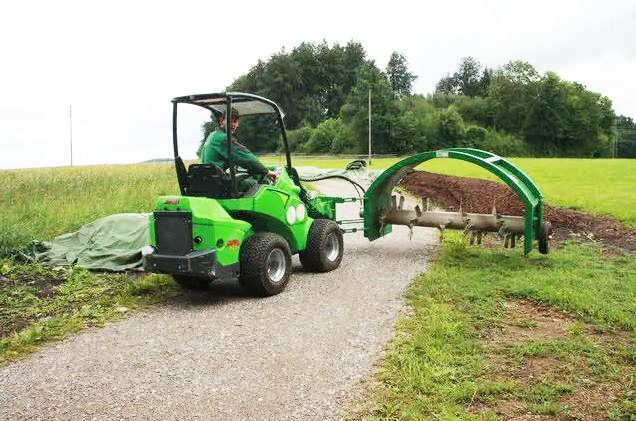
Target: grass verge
point(39, 304)
point(496, 335)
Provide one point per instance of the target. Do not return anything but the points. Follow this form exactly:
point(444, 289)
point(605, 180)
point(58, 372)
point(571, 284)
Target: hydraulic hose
point(343, 177)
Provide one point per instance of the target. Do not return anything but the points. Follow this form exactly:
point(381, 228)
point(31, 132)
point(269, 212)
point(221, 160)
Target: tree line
point(511, 110)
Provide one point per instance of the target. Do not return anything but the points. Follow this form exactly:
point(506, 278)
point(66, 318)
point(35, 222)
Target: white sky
point(118, 63)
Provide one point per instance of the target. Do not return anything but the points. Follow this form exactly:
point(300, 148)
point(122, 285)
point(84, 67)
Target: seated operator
point(215, 152)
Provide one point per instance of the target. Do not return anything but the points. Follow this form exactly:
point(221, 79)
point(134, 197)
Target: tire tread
point(253, 259)
point(312, 258)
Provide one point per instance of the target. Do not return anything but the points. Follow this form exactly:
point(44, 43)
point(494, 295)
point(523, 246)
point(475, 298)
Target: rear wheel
point(192, 282)
point(325, 247)
point(265, 264)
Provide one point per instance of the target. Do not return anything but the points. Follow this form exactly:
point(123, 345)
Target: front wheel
point(265, 264)
point(325, 247)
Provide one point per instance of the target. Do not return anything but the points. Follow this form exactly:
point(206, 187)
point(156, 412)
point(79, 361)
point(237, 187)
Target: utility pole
point(615, 143)
point(70, 119)
point(616, 146)
point(369, 126)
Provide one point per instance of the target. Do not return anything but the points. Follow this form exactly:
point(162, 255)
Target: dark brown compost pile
point(479, 196)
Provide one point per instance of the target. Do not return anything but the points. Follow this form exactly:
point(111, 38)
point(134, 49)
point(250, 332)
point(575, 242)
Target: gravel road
point(220, 355)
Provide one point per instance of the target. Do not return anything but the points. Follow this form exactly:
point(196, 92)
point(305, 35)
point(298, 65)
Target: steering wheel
point(241, 175)
point(262, 178)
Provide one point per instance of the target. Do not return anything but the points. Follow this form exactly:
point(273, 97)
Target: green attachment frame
point(377, 200)
point(324, 206)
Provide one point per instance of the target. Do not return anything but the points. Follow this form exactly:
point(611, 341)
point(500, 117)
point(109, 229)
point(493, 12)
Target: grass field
point(479, 324)
point(600, 186)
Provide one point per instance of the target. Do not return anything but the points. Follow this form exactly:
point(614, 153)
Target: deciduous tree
point(400, 78)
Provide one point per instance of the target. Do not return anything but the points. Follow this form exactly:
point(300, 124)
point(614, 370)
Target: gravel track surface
point(221, 355)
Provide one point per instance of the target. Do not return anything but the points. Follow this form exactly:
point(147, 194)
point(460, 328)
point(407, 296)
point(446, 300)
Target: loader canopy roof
point(245, 104)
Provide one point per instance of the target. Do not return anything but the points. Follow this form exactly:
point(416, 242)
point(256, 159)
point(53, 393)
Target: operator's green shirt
point(215, 152)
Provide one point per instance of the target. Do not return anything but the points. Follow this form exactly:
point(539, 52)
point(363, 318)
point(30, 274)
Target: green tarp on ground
point(111, 243)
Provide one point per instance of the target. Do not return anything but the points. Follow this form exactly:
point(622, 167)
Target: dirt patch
point(15, 325)
point(530, 322)
point(480, 196)
point(18, 288)
point(590, 403)
point(515, 410)
point(585, 397)
point(4, 282)
point(362, 403)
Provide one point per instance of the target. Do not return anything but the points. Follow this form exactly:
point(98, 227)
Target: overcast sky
point(118, 63)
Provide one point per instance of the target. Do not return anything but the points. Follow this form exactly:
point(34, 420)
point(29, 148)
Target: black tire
point(192, 282)
point(544, 237)
point(265, 264)
point(325, 247)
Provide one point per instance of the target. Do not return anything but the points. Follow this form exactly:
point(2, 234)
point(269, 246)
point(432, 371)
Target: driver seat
point(207, 180)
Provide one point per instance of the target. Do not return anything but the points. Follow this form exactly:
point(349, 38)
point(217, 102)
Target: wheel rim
point(276, 265)
point(332, 247)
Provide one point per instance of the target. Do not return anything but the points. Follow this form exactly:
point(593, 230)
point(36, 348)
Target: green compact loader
point(214, 231)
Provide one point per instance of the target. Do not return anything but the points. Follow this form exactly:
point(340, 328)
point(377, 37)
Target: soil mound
point(480, 196)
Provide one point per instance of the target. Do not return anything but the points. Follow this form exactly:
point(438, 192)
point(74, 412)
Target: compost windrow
point(479, 196)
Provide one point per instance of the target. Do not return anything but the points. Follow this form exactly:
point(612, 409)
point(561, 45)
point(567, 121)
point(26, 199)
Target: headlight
point(291, 215)
point(300, 212)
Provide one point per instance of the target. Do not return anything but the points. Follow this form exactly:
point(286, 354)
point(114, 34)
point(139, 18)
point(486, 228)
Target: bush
point(405, 133)
point(451, 128)
point(474, 137)
point(505, 144)
point(344, 142)
point(476, 110)
point(298, 138)
point(323, 136)
point(414, 125)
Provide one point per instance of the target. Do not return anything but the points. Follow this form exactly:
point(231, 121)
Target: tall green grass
point(43, 203)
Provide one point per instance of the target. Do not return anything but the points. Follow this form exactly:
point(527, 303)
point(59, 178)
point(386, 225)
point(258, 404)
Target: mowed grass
point(456, 358)
point(600, 186)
